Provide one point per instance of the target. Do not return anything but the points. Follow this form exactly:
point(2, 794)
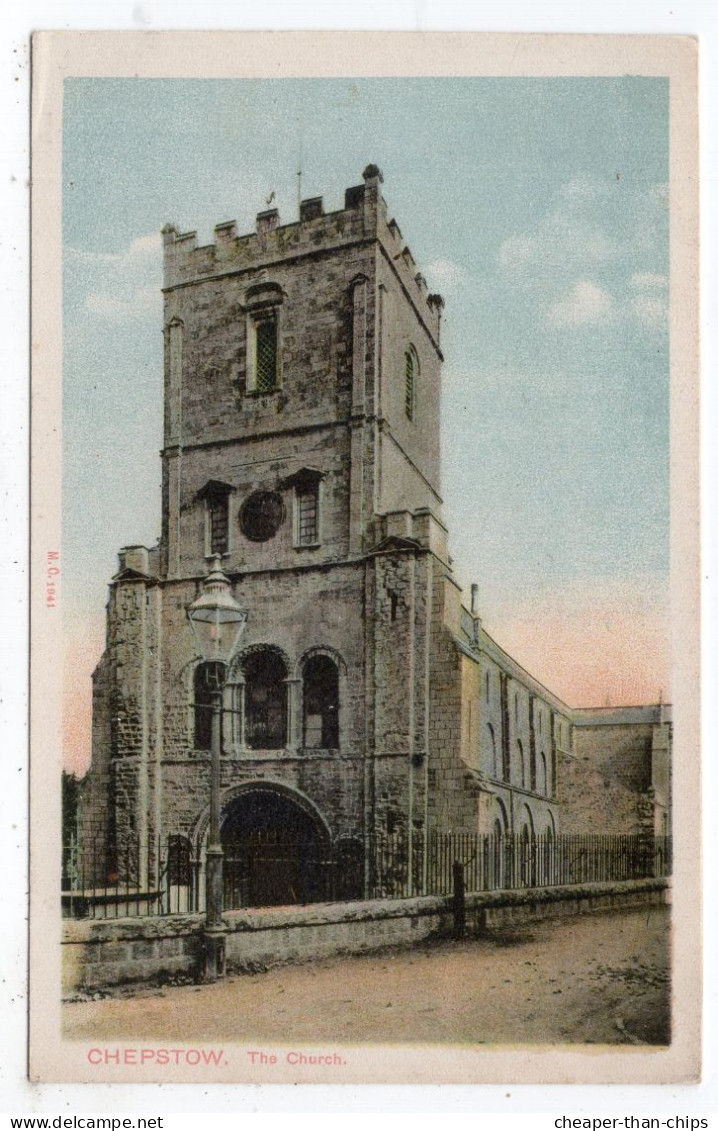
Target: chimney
point(474, 599)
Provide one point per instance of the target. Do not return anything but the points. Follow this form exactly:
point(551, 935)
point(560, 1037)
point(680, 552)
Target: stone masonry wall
point(98, 954)
point(453, 792)
point(603, 783)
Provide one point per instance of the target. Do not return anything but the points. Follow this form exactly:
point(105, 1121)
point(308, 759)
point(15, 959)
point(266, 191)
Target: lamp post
point(217, 622)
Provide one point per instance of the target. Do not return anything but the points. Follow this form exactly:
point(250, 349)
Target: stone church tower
point(301, 444)
point(366, 711)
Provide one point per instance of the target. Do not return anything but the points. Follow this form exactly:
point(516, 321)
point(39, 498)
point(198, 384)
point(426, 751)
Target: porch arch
point(200, 826)
point(276, 846)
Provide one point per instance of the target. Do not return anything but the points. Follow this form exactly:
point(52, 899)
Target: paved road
point(595, 979)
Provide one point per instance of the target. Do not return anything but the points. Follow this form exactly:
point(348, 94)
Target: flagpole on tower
point(299, 165)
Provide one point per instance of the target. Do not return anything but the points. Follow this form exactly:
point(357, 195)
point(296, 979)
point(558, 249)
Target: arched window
point(265, 697)
point(321, 703)
point(492, 751)
point(264, 304)
point(553, 773)
point(505, 756)
point(488, 685)
point(522, 763)
point(532, 770)
point(542, 783)
point(410, 368)
point(207, 681)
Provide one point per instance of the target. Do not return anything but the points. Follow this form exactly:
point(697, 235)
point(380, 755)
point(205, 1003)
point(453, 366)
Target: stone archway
point(275, 851)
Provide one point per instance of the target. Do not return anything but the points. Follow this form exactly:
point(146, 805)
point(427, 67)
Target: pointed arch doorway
point(276, 851)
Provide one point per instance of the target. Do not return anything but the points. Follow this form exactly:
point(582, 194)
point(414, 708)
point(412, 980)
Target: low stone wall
point(100, 953)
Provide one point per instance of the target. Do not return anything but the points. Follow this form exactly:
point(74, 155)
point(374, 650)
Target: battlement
point(363, 218)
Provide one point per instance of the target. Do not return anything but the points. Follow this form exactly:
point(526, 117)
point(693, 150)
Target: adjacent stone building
point(301, 445)
point(618, 774)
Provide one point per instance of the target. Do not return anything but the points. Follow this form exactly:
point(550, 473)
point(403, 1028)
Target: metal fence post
point(459, 899)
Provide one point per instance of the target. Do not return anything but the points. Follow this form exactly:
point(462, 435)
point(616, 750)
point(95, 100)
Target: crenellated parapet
point(364, 218)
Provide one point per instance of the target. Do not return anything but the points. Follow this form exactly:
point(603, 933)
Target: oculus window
point(262, 513)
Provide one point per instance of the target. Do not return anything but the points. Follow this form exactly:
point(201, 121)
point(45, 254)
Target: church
point(365, 702)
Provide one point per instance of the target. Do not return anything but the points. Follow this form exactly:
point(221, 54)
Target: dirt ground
point(599, 979)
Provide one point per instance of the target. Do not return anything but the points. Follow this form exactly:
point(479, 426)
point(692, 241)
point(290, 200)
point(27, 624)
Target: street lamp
point(217, 622)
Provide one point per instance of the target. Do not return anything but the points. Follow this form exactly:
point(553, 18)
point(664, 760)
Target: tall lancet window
point(264, 314)
point(410, 369)
point(265, 353)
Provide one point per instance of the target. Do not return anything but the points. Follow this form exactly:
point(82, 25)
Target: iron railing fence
point(491, 863)
point(269, 869)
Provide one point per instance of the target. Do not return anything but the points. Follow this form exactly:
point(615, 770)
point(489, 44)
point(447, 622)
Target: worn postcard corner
point(365, 559)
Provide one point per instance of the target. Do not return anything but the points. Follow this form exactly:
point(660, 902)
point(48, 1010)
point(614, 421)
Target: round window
point(261, 515)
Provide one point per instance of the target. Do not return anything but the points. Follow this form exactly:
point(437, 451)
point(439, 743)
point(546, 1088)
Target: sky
point(537, 207)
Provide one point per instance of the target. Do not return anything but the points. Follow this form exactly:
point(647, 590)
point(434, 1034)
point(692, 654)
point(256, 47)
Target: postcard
point(365, 645)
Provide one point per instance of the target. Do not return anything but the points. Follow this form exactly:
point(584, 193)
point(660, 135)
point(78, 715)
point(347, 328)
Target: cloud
point(581, 188)
point(446, 275)
point(141, 248)
point(650, 281)
point(649, 303)
point(143, 301)
point(591, 257)
point(567, 236)
point(517, 251)
point(558, 244)
point(649, 311)
point(660, 194)
point(586, 303)
point(120, 286)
